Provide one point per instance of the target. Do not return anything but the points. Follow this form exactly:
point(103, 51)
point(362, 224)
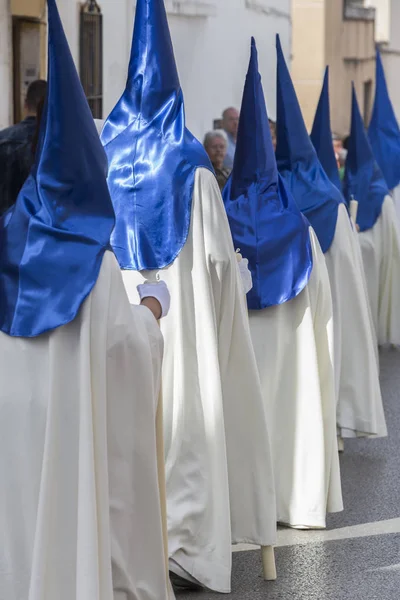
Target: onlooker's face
point(216, 150)
point(230, 122)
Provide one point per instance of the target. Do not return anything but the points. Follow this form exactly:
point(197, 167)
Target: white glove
point(157, 290)
point(245, 274)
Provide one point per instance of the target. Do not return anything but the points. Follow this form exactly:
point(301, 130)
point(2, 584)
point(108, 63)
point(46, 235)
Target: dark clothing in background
point(222, 176)
point(16, 159)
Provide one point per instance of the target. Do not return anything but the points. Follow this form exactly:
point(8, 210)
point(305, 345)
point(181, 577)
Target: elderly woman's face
point(216, 150)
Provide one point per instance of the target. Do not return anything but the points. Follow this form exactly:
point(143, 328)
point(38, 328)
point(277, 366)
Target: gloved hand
point(157, 290)
point(245, 273)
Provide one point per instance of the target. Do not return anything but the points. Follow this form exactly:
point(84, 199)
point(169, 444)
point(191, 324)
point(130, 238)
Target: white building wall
point(211, 49)
point(5, 65)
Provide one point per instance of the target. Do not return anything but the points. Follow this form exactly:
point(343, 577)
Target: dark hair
point(35, 139)
point(35, 94)
point(346, 142)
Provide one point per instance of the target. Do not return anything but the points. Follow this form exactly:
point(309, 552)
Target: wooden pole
point(268, 561)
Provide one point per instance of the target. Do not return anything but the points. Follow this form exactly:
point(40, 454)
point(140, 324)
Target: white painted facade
point(211, 40)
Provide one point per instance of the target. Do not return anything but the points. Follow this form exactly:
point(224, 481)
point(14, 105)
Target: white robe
point(360, 408)
point(380, 248)
point(396, 201)
point(294, 350)
point(218, 465)
point(79, 501)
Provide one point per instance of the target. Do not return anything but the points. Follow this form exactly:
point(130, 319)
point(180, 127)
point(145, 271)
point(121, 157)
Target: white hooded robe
point(79, 507)
point(380, 248)
point(294, 350)
point(220, 485)
point(360, 408)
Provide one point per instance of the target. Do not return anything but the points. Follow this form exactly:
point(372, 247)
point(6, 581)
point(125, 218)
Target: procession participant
point(321, 135)
point(384, 134)
point(79, 373)
point(359, 402)
point(290, 313)
point(321, 138)
point(379, 233)
point(170, 214)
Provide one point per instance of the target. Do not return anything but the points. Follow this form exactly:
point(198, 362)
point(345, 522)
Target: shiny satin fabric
point(321, 135)
point(363, 180)
point(315, 195)
point(52, 241)
point(384, 131)
point(265, 222)
point(152, 156)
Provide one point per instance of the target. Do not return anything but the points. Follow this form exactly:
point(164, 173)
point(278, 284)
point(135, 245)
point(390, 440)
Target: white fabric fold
point(79, 507)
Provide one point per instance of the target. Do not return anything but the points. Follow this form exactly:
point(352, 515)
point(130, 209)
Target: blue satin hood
point(314, 193)
point(321, 135)
point(52, 241)
point(265, 222)
point(152, 156)
point(384, 131)
point(363, 178)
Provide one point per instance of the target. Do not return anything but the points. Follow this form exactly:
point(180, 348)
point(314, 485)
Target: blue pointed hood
point(363, 178)
point(152, 156)
point(52, 241)
point(321, 135)
point(315, 195)
point(265, 222)
point(384, 131)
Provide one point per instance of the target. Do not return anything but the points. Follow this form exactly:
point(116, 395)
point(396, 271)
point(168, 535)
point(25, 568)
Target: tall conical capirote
point(52, 241)
point(364, 180)
point(321, 135)
point(315, 195)
point(265, 222)
point(152, 156)
point(384, 131)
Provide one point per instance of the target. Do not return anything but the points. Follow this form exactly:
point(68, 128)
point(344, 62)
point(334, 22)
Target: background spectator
point(216, 144)
point(230, 124)
point(16, 156)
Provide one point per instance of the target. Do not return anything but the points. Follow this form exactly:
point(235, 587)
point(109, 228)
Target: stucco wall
point(211, 51)
point(308, 53)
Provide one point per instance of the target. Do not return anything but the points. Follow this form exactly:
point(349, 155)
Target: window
point(356, 9)
point(91, 55)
